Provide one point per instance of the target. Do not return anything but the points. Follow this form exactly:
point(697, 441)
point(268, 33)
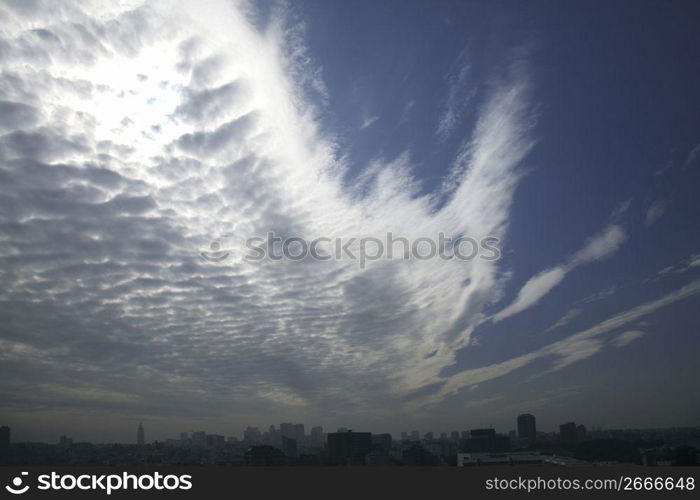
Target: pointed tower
point(140, 437)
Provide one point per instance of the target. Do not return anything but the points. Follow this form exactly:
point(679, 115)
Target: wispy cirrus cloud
point(460, 92)
point(626, 338)
point(655, 211)
point(565, 319)
point(569, 350)
point(693, 156)
point(367, 122)
point(600, 246)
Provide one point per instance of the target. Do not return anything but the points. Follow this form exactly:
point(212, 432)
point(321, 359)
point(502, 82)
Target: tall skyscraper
point(317, 435)
point(140, 435)
point(287, 430)
point(299, 433)
point(527, 428)
point(273, 435)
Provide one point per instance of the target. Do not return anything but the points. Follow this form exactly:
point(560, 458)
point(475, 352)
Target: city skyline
point(523, 430)
point(289, 445)
point(146, 145)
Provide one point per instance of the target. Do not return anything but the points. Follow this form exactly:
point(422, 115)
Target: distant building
point(264, 455)
point(299, 433)
point(527, 428)
point(581, 433)
point(568, 433)
point(199, 438)
point(140, 435)
point(348, 448)
point(252, 435)
point(428, 436)
point(454, 435)
point(307, 459)
point(418, 455)
point(513, 437)
point(289, 447)
point(184, 438)
point(378, 456)
point(514, 458)
point(287, 430)
point(4, 444)
point(404, 436)
point(273, 435)
point(215, 440)
point(316, 435)
point(485, 441)
point(64, 442)
point(382, 442)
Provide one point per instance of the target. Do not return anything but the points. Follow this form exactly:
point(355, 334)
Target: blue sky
point(615, 92)
point(135, 135)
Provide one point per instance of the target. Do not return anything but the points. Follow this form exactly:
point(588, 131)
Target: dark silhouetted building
point(264, 455)
point(417, 455)
point(289, 447)
point(199, 438)
point(527, 429)
point(184, 438)
point(316, 435)
point(215, 440)
point(382, 441)
point(287, 430)
point(4, 444)
point(378, 457)
point(348, 448)
point(581, 433)
point(273, 435)
point(252, 435)
point(308, 459)
point(568, 433)
point(140, 435)
point(486, 441)
point(299, 433)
